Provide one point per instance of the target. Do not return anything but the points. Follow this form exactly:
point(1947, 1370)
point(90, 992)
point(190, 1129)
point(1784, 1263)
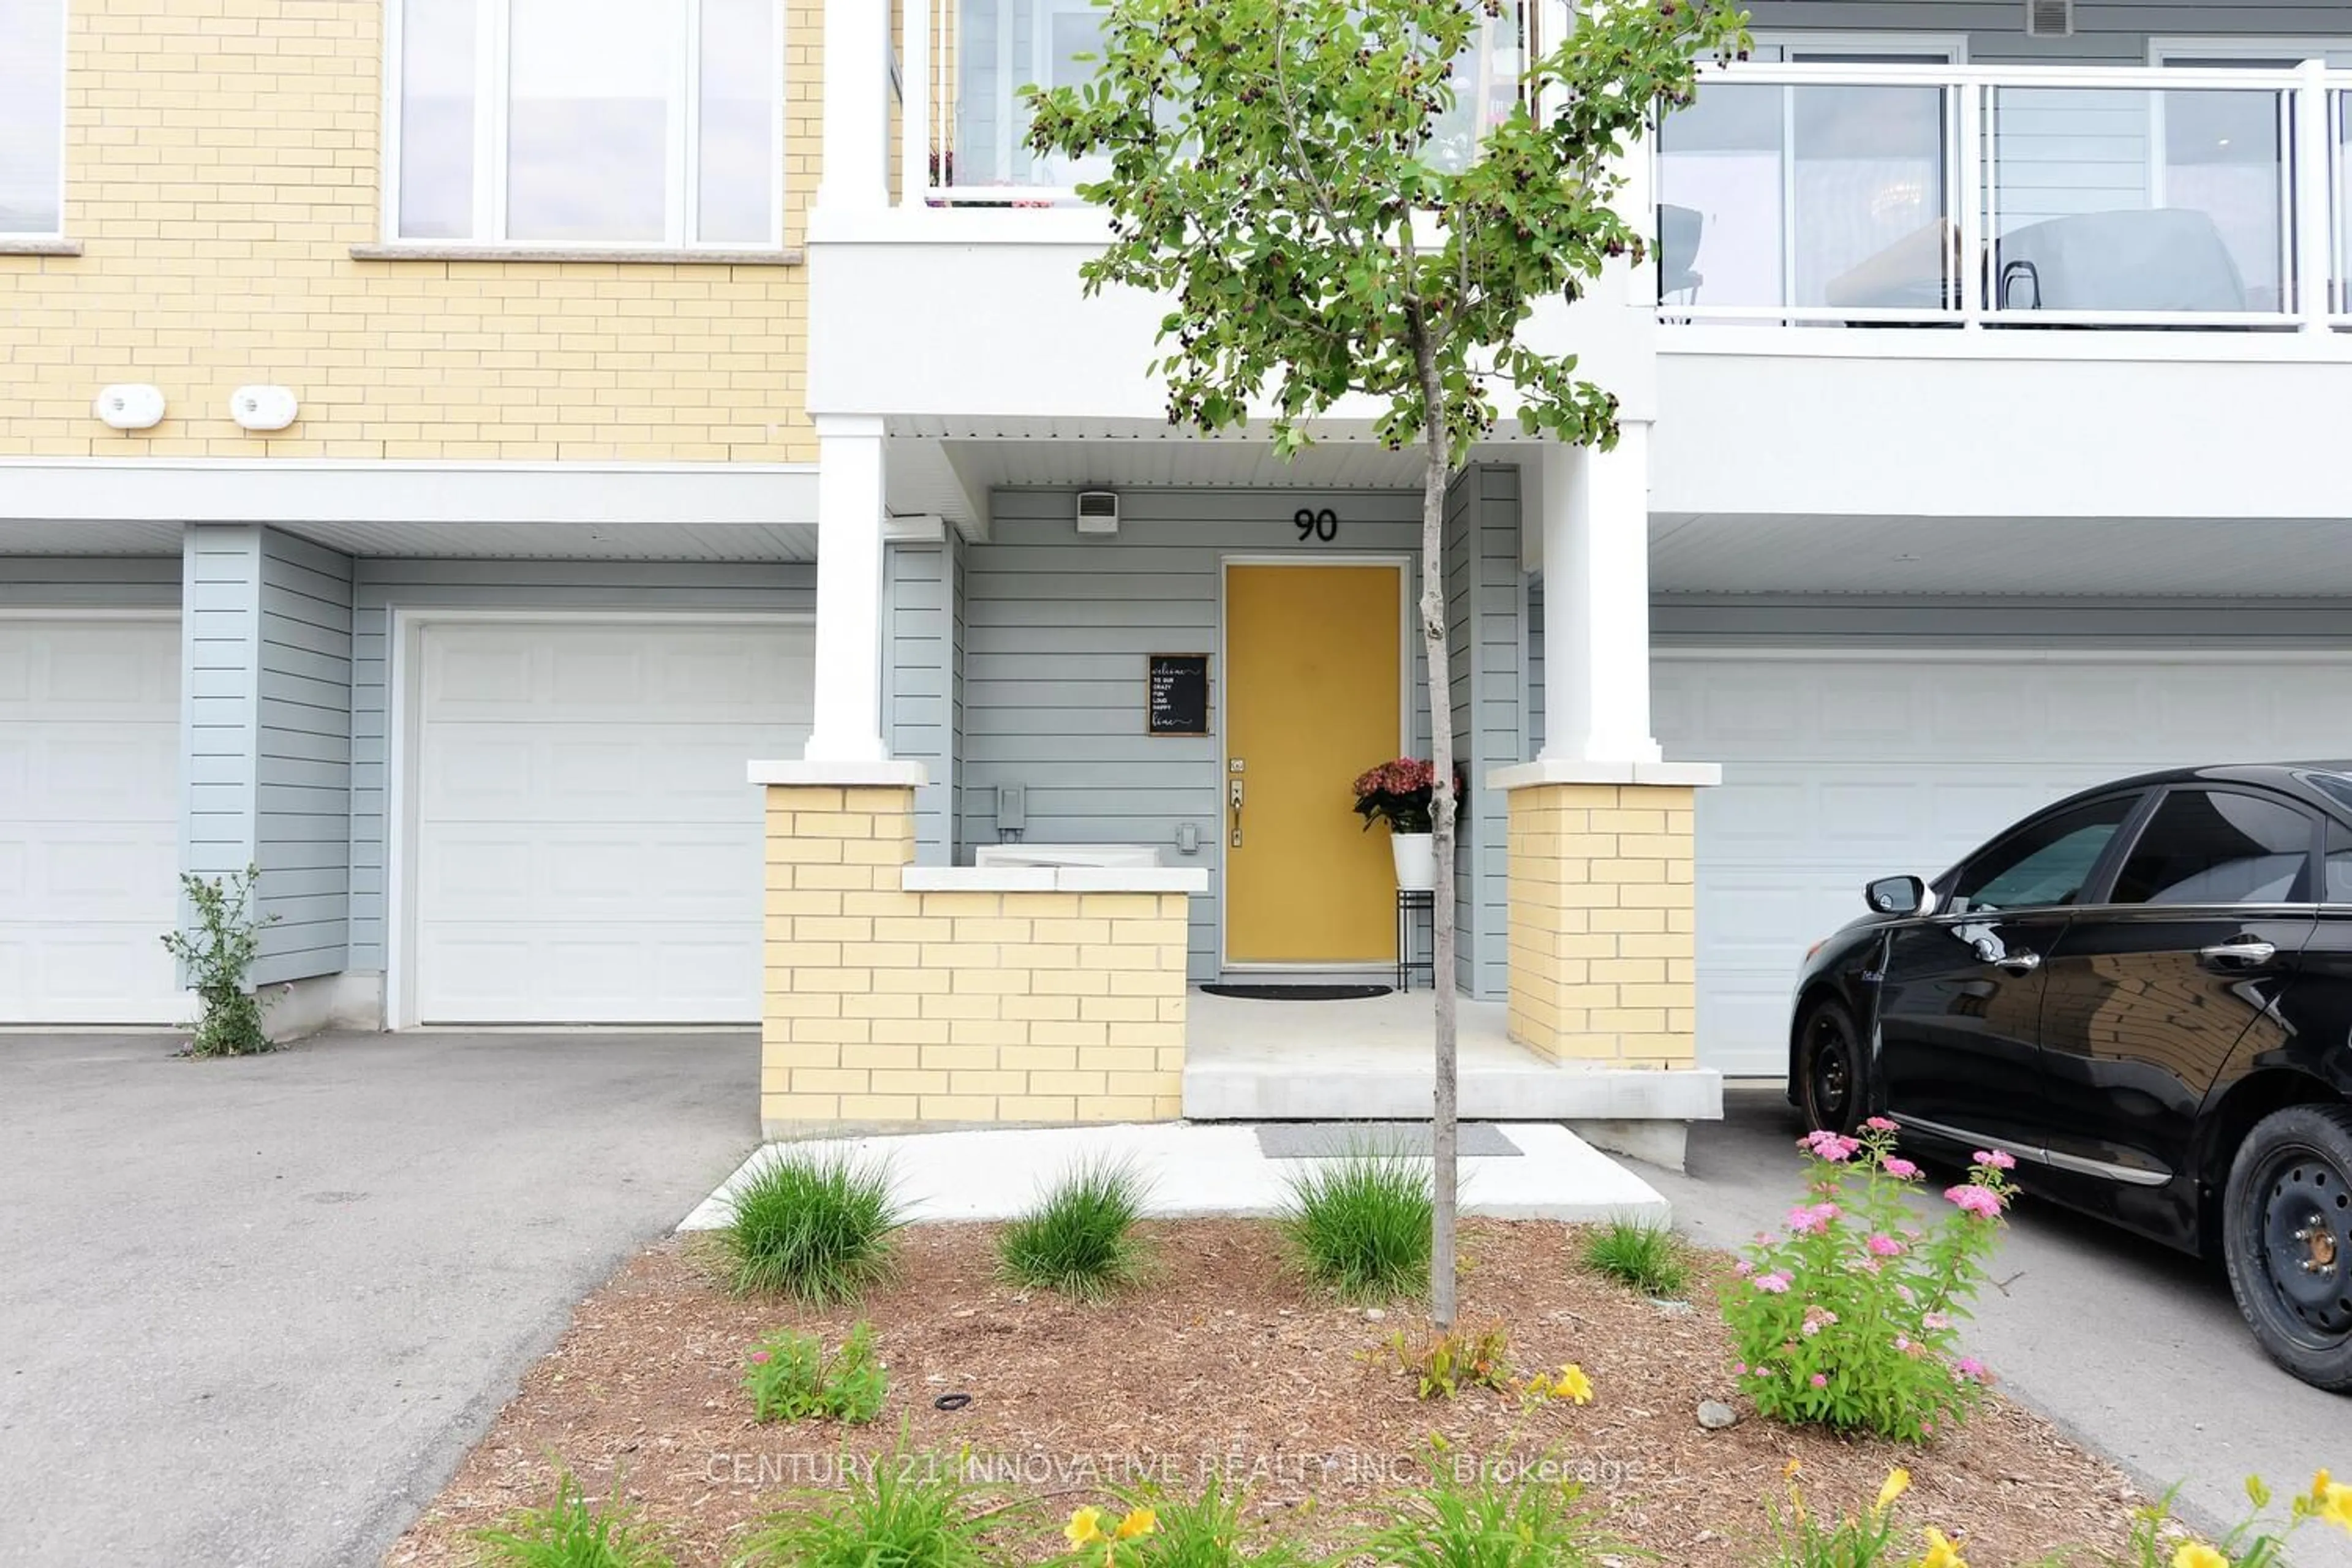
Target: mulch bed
point(1225, 1360)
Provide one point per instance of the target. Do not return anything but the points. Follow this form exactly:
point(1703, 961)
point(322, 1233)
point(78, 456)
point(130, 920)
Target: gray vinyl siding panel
point(1055, 634)
point(1724, 620)
point(955, 689)
point(1534, 601)
point(90, 582)
point(382, 584)
point(918, 678)
point(1483, 648)
point(304, 759)
point(2106, 32)
point(220, 703)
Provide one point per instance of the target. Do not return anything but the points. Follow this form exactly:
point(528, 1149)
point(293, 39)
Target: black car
point(2145, 994)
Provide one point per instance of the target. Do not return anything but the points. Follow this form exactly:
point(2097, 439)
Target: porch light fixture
point(129, 405)
point(263, 408)
point(1097, 511)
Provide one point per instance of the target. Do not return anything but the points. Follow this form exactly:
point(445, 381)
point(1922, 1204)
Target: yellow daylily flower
point(2336, 1506)
point(2320, 1482)
point(1572, 1383)
point(1790, 1471)
point(1085, 1525)
point(2196, 1555)
point(1897, 1482)
point(1138, 1522)
point(1941, 1552)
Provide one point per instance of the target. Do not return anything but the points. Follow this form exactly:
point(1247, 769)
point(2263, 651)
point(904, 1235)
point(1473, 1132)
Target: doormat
point(1299, 993)
point(1325, 1140)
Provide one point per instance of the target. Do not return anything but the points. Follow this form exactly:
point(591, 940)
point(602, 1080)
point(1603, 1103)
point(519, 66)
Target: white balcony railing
point(1865, 194)
point(964, 129)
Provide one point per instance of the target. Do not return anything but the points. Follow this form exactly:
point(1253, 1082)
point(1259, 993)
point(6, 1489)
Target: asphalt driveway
point(2134, 1349)
point(253, 1312)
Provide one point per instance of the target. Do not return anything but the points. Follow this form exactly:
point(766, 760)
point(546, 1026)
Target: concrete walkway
point(1196, 1170)
point(254, 1313)
point(2135, 1351)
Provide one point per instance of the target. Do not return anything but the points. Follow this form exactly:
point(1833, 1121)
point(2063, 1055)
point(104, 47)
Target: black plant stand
point(1410, 903)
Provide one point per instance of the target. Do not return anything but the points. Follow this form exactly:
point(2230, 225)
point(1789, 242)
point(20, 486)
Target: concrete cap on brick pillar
point(885, 773)
point(1528, 775)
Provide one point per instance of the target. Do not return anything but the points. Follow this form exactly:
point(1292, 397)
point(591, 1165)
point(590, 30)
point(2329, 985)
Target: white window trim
point(20, 240)
point(2335, 51)
point(490, 112)
point(1953, 46)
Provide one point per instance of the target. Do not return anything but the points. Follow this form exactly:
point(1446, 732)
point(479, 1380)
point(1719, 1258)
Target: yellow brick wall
point(222, 158)
point(883, 1006)
point(1602, 959)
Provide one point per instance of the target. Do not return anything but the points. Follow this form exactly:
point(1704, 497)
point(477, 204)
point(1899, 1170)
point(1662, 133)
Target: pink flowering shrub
point(1848, 1318)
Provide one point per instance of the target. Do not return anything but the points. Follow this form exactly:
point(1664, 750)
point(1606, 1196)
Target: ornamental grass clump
point(1465, 1515)
point(1645, 1256)
point(1849, 1319)
point(1359, 1225)
point(905, 1509)
point(1079, 1239)
point(571, 1532)
point(818, 1227)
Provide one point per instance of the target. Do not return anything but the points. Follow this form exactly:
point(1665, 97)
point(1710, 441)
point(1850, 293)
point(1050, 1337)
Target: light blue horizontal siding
point(381, 586)
point(2105, 31)
point(1055, 633)
point(303, 758)
point(220, 703)
point(1484, 648)
point(90, 582)
point(918, 681)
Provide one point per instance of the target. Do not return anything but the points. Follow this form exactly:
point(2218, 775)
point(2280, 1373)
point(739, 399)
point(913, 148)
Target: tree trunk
point(1443, 1164)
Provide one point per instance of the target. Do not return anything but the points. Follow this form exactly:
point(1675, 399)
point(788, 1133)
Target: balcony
point(1956, 196)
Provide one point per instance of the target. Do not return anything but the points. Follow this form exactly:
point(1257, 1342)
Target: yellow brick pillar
point(1602, 949)
point(898, 996)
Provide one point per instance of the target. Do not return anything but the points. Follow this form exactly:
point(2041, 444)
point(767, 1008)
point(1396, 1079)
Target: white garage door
point(1838, 770)
point(587, 850)
point(89, 827)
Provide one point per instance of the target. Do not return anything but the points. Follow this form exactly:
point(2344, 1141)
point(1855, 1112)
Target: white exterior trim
point(400, 729)
point(1054, 880)
point(1953, 47)
point(2247, 46)
point(297, 491)
point(1527, 775)
point(887, 773)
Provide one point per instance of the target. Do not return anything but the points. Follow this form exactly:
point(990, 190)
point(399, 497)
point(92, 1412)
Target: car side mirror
point(1895, 896)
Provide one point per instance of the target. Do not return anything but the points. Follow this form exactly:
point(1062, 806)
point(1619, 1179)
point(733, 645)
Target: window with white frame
point(587, 122)
point(32, 117)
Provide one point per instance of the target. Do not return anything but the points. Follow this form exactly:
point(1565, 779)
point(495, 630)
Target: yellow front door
point(1312, 699)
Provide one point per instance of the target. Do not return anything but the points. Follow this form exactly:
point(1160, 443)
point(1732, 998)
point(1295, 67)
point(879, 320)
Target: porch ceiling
point(2117, 557)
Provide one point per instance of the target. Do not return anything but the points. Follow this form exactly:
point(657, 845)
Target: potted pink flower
point(1401, 793)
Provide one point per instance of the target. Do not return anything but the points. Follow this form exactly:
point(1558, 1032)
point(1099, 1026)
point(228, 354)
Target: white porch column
point(1596, 570)
point(848, 724)
point(856, 105)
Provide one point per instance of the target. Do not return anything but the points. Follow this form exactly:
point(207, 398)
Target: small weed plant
point(572, 1532)
point(1206, 1531)
point(790, 1378)
point(1646, 1258)
point(817, 1227)
point(219, 956)
point(1848, 1319)
point(1079, 1239)
point(1466, 1517)
point(1359, 1225)
point(2259, 1540)
point(906, 1509)
point(1444, 1362)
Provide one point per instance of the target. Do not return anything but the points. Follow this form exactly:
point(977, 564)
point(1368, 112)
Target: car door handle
point(2019, 962)
point(2238, 955)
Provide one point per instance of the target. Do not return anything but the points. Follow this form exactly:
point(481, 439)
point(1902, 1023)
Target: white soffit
point(2120, 557)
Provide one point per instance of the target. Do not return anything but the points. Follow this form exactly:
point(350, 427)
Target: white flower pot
point(1416, 861)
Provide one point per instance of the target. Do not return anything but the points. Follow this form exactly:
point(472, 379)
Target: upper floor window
point(32, 116)
point(587, 122)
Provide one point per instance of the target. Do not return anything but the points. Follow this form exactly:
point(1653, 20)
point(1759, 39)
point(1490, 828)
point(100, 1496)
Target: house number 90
point(1323, 525)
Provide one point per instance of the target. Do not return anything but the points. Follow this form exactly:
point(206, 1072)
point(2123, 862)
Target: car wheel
point(1832, 1078)
point(2286, 1234)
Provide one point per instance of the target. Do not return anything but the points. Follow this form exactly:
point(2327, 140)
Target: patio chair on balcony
point(1918, 272)
point(1679, 229)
